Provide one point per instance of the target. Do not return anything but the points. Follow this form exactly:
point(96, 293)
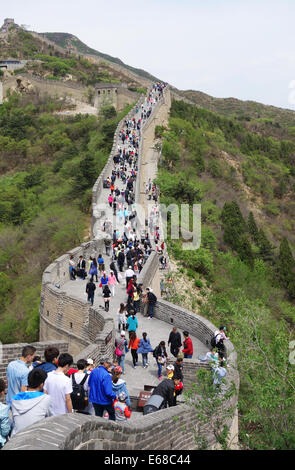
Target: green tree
point(252, 227)
point(245, 251)
point(286, 263)
point(265, 247)
point(87, 173)
point(213, 410)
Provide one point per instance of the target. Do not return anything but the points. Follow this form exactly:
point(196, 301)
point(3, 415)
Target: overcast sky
point(238, 48)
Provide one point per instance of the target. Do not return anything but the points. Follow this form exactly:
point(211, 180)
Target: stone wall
point(169, 429)
point(66, 317)
point(126, 97)
point(51, 87)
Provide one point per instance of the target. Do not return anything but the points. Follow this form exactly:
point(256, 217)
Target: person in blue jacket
point(5, 423)
point(101, 393)
point(144, 348)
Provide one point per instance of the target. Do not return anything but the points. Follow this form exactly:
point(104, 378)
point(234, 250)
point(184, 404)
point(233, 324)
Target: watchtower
point(106, 94)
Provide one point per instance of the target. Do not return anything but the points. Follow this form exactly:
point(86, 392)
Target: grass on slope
point(248, 287)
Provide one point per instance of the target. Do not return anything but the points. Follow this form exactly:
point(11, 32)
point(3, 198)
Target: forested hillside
point(48, 61)
point(243, 275)
point(67, 41)
point(48, 167)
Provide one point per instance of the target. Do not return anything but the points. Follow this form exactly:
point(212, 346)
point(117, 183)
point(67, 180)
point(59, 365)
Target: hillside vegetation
point(68, 41)
point(49, 165)
point(48, 61)
point(244, 272)
point(257, 117)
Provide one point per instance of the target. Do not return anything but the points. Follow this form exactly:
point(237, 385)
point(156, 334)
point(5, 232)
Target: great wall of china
point(69, 323)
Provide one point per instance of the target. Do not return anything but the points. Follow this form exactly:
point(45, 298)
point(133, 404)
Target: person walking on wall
point(144, 348)
point(112, 282)
point(188, 349)
point(121, 350)
point(161, 356)
point(93, 270)
point(132, 323)
point(122, 320)
point(133, 345)
point(107, 297)
point(174, 341)
point(90, 289)
point(101, 393)
point(59, 387)
point(152, 299)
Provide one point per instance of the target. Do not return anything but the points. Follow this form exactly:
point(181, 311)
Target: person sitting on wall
point(81, 267)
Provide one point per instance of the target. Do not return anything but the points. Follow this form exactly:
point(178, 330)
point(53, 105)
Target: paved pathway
point(156, 330)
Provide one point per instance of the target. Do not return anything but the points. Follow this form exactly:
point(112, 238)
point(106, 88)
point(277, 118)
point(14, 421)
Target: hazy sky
point(239, 48)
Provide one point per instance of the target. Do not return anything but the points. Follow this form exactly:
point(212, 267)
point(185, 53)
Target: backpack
point(78, 394)
point(152, 297)
point(213, 341)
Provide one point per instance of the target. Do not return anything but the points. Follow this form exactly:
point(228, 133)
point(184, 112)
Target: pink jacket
point(112, 280)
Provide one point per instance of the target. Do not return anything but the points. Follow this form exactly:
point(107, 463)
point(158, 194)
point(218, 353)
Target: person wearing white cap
point(170, 371)
point(121, 345)
point(90, 365)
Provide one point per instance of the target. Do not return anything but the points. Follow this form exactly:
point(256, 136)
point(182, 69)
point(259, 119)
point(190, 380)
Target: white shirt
point(129, 273)
point(57, 385)
point(219, 336)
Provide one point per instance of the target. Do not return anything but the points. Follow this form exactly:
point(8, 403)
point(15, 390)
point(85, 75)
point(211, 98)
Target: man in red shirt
point(187, 346)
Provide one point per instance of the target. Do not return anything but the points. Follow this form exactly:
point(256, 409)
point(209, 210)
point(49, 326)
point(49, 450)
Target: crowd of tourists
point(39, 388)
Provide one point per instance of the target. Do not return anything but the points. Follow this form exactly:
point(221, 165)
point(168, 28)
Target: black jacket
point(81, 264)
point(121, 257)
point(157, 351)
point(166, 390)
point(90, 288)
point(178, 371)
point(175, 339)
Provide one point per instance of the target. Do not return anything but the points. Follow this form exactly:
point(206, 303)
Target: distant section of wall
point(51, 87)
point(97, 213)
point(126, 97)
point(12, 65)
